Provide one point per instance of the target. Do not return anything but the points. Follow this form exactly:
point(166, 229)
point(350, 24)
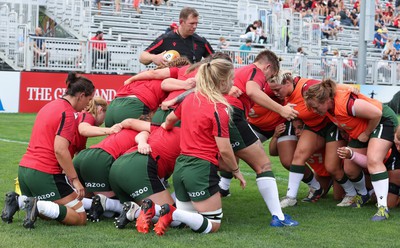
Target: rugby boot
point(10, 207)
point(165, 219)
point(31, 212)
point(122, 220)
point(97, 208)
point(146, 214)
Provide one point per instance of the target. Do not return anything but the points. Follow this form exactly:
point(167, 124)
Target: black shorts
point(393, 161)
point(262, 135)
point(240, 132)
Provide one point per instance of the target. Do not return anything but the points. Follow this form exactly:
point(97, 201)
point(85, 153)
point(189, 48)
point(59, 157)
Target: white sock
point(21, 200)
point(360, 186)
point(113, 205)
point(225, 183)
point(294, 184)
point(381, 188)
point(87, 203)
point(314, 183)
point(193, 220)
point(348, 188)
point(269, 192)
point(48, 209)
point(173, 196)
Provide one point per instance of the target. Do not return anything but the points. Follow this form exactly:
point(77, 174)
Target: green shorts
point(387, 125)
point(384, 130)
point(240, 133)
point(330, 132)
point(122, 108)
point(93, 168)
point(48, 187)
point(134, 176)
point(194, 179)
point(354, 143)
point(160, 116)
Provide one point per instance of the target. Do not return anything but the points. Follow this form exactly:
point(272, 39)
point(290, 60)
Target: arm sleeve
point(174, 71)
point(157, 46)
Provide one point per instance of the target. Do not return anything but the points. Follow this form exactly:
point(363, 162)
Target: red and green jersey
point(242, 76)
point(266, 119)
point(79, 142)
point(118, 143)
point(55, 118)
point(165, 149)
point(181, 76)
point(201, 122)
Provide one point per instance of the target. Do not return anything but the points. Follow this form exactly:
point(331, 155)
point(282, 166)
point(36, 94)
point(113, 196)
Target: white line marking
point(14, 141)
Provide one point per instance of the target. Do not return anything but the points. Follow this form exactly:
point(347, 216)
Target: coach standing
point(184, 40)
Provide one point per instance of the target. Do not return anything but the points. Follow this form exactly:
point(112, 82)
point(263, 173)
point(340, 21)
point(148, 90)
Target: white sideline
point(14, 141)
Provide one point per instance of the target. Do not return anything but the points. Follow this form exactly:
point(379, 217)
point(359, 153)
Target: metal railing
point(340, 69)
point(57, 54)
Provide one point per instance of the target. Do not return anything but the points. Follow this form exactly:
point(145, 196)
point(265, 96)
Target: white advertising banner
point(9, 91)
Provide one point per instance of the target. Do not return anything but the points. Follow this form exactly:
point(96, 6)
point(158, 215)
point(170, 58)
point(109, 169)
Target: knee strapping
point(214, 216)
point(73, 204)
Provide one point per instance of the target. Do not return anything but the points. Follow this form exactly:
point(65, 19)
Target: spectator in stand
point(325, 64)
point(389, 48)
point(387, 16)
point(251, 31)
point(99, 50)
point(223, 44)
point(354, 17)
point(379, 23)
point(397, 46)
point(260, 35)
point(331, 15)
point(98, 3)
point(349, 67)
point(378, 39)
point(396, 20)
point(277, 8)
point(136, 5)
point(344, 17)
point(326, 30)
point(296, 7)
point(333, 5)
point(245, 56)
point(117, 4)
point(334, 64)
point(173, 27)
point(356, 6)
point(39, 48)
point(184, 40)
point(323, 9)
point(286, 4)
point(308, 4)
point(297, 60)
